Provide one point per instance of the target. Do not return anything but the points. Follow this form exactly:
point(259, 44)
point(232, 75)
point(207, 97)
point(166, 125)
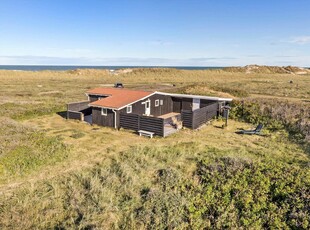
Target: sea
point(73, 67)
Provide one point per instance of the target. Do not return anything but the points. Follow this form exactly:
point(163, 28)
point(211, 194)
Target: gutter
point(114, 118)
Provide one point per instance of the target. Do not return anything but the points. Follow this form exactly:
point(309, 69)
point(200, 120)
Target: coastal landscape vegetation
point(65, 174)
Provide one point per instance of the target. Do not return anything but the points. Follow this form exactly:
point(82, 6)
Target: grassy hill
point(63, 174)
point(269, 69)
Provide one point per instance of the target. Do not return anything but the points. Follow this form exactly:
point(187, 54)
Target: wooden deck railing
point(194, 119)
point(137, 122)
point(191, 119)
point(129, 121)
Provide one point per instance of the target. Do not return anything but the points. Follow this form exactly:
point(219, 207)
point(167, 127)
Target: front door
point(147, 105)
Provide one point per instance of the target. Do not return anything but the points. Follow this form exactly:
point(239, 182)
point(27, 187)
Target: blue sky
point(158, 32)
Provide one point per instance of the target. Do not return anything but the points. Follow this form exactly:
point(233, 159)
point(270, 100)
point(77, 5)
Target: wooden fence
point(137, 122)
point(129, 121)
point(191, 119)
point(187, 118)
point(152, 124)
point(194, 119)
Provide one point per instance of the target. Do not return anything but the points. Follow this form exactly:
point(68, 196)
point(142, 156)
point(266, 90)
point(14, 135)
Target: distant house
point(155, 112)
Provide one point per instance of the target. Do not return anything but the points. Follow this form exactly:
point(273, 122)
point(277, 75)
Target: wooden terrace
point(169, 127)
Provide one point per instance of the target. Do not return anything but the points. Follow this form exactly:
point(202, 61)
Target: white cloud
point(301, 40)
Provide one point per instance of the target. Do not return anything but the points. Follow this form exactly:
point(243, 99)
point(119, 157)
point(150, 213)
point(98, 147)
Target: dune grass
point(64, 174)
point(250, 182)
point(24, 150)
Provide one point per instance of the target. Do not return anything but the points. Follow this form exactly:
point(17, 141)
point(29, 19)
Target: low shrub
point(145, 188)
point(275, 115)
point(234, 193)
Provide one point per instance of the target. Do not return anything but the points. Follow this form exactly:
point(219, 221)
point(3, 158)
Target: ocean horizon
point(73, 67)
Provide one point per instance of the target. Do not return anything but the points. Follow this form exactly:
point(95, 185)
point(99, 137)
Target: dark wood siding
point(177, 105)
point(161, 109)
point(204, 103)
point(187, 103)
point(102, 120)
point(139, 108)
point(180, 104)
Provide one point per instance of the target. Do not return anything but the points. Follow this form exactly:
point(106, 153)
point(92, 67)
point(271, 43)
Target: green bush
point(145, 188)
point(234, 193)
point(275, 115)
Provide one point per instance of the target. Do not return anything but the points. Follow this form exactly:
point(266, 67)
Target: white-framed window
point(99, 98)
point(129, 109)
point(104, 112)
point(156, 103)
point(161, 102)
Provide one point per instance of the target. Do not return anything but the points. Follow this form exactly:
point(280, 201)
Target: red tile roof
point(117, 97)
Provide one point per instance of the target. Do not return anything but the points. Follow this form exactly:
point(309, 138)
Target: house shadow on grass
point(63, 114)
